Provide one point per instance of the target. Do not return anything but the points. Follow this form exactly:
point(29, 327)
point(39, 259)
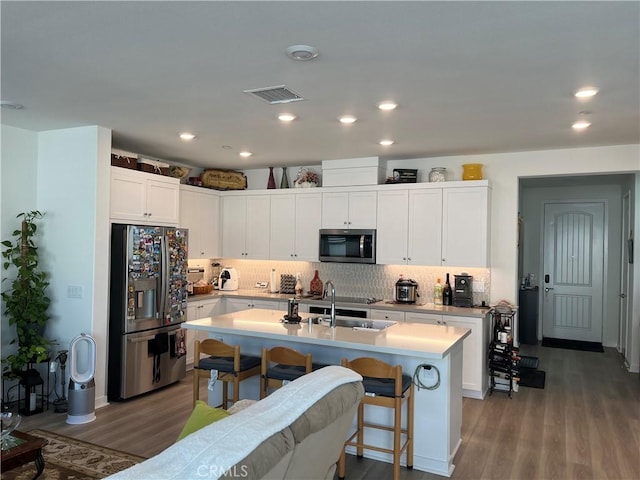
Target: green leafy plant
point(26, 301)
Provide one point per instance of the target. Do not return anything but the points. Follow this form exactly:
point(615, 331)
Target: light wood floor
point(585, 424)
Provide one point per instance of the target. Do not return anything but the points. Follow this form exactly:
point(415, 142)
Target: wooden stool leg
point(342, 464)
point(410, 429)
point(225, 395)
point(359, 448)
point(397, 426)
point(236, 390)
point(196, 387)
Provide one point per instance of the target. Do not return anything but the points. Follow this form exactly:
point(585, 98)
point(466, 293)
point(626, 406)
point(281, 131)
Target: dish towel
point(215, 448)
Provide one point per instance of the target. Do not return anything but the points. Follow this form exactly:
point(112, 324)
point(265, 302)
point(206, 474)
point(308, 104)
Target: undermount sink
point(355, 323)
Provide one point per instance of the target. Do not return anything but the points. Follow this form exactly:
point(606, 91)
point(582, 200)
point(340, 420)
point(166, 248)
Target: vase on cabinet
point(271, 183)
point(284, 183)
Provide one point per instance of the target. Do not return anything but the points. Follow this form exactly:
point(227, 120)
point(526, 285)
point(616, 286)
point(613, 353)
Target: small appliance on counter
point(462, 291)
point(228, 279)
point(406, 291)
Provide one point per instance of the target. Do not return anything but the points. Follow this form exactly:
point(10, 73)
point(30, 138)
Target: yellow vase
point(472, 171)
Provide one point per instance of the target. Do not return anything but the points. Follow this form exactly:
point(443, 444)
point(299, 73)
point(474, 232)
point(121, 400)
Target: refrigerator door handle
point(164, 271)
point(141, 339)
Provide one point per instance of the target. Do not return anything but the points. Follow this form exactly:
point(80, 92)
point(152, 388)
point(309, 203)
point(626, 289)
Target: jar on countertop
point(438, 174)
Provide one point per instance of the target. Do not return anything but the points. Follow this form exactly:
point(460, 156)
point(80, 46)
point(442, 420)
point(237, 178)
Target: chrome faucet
point(333, 301)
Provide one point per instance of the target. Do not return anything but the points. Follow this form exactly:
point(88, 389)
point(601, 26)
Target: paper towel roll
point(273, 287)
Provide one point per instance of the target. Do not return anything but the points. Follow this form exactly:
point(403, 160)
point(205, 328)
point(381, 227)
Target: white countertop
point(410, 339)
point(381, 305)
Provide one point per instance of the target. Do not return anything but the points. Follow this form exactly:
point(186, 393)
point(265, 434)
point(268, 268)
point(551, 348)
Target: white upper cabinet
point(245, 226)
point(409, 227)
point(200, 213)
point(465, 227)
point(144, 198)
point(349, 209)
point(295, 222)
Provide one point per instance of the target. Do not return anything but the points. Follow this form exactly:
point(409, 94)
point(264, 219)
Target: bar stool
point(232, 367)
point(290, 364)
point(384, 386)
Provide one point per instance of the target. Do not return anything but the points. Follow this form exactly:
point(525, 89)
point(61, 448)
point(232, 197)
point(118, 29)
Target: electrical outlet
point(477, 286)
point(429, 373)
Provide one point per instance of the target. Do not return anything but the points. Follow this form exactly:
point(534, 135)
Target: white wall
point(532, 205)
point(18, 177)
point(68, 190)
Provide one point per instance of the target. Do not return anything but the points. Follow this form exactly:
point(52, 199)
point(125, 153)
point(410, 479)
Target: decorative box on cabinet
point(200, 213)
point(144, 198)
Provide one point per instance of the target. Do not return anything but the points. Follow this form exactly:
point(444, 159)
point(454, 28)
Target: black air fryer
point(462, 292)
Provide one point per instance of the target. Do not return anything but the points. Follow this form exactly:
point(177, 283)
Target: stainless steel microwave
point(347, 246)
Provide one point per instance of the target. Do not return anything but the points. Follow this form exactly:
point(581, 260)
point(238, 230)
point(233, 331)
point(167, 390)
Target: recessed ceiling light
point(186, 136)
point(387, 105)
point(586, 92)
point(302, 52)
point(581, 125)
point(245, 154)
point(348, 119)
point(386, 142)
point(286, 117)
point(11, 105)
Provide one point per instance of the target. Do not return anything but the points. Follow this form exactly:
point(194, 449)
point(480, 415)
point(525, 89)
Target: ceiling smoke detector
point(302, 52)
point(274, 95)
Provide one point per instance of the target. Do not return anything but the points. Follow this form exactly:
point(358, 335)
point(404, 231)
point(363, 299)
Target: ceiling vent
point(273, 95)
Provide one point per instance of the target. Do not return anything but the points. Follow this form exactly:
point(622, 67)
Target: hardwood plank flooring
point(585, 424)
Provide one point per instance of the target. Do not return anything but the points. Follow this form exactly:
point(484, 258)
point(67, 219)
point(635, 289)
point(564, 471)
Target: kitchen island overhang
point(438, 411)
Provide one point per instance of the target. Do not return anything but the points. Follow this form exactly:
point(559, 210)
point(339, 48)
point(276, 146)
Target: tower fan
point(82, 369)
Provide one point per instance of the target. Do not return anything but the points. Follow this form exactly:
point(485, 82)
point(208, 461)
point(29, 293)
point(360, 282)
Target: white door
point(393, 220)
point(573, 271)
point(425, 227)
point(308, 218)
point(282, 228)
point(234, 226)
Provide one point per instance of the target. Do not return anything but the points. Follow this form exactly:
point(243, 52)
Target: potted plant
point(26, 301)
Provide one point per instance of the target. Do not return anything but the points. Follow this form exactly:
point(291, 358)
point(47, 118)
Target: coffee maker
point(462, 291)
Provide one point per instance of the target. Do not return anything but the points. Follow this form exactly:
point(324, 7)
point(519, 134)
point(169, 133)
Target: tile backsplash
point(352, 280)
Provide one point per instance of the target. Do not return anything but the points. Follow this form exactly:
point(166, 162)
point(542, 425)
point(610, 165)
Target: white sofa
point(295, 433)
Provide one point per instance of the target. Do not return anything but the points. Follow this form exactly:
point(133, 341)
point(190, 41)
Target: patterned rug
point(70, 459)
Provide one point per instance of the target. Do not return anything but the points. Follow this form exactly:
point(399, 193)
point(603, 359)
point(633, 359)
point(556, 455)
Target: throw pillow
point(201, 416)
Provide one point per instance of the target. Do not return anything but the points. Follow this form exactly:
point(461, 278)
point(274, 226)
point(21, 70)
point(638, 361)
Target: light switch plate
point(74, 291)
point(477, 286)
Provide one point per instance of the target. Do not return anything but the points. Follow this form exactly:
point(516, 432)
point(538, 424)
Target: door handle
point(622, 295)
point(546, 289)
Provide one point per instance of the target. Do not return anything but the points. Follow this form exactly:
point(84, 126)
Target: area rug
point(70, 459)
point(572, 344)
point(532, 378)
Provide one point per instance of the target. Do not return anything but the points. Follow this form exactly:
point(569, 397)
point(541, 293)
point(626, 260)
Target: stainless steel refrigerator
point(148, 303)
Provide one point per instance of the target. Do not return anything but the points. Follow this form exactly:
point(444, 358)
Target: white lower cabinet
point(195, 311)
point(239, 304)
point(475, 378)
point(386, 315)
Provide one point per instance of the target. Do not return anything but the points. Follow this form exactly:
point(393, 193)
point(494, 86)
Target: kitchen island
point(438, 403)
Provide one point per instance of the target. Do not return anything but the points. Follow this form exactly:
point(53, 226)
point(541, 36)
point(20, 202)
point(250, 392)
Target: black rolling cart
point(503, 356)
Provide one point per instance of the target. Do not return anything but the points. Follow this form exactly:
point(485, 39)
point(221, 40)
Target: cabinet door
point(391, 234)
point(465, 227)
point(190, 219)
point(128, 195)
point(335, 210)
point(258, 226)
point(429, 318)
point(362, 209)
point(192, 312)
point(209, 229)
point(424, 243)
point(163, 201)
point(234, 226)
point(473, 364)
point(308, 221)
point(386, 315)
point(283, 227)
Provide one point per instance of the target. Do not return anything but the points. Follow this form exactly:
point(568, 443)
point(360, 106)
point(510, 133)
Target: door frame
point(625, 316)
